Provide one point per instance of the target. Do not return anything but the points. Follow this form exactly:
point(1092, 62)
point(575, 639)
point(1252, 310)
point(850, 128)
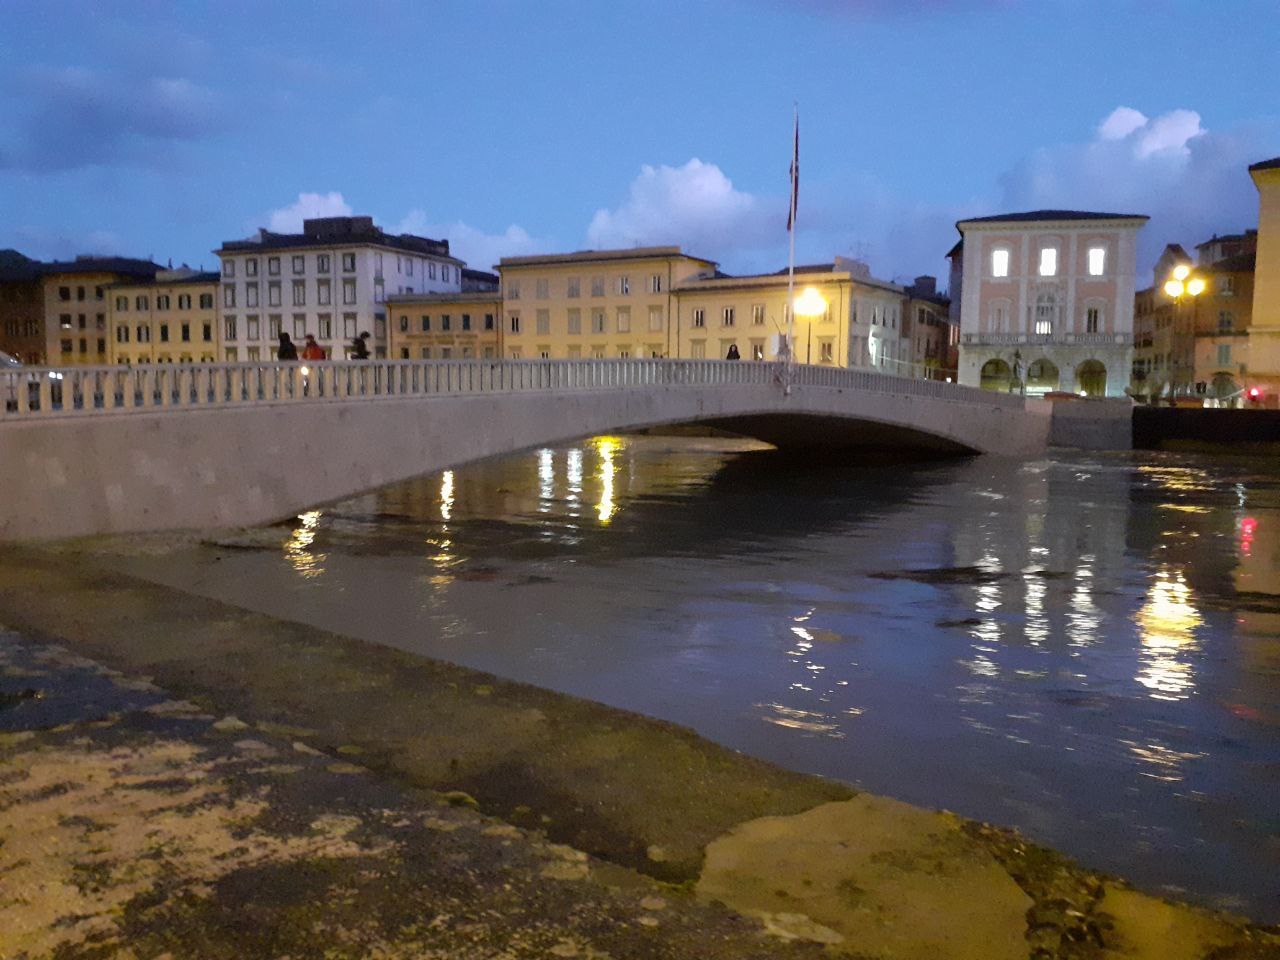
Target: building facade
point(604, 304)
point(172, 319)
point(76, 306)
point(330, 281)
point(21, 308)
point(445, 326)
point(934, 339)
point(1264, 333)
point(1047, 301)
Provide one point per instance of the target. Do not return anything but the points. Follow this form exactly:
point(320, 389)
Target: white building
point(1046, 301)
point(330, 281)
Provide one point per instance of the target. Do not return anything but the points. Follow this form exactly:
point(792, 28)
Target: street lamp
point(809, 304)
point(1181, 284)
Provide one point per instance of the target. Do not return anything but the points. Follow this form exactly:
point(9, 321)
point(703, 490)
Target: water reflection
point(1168, 622)
point(446, 495)
point(606, 447)
point(297, 549)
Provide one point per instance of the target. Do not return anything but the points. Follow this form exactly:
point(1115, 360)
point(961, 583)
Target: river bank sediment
point(811, 860)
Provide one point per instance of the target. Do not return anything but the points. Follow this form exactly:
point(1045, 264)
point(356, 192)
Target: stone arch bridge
point(94, 450)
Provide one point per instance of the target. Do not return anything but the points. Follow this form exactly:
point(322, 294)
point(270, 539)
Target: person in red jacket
point(312, 350)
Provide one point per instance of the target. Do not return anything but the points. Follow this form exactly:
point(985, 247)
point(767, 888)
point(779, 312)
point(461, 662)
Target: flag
point(795, 178)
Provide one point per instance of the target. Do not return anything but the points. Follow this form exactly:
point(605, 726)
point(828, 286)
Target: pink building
point(1046, 301)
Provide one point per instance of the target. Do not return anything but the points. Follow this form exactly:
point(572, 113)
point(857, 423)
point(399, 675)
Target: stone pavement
point(248, 787)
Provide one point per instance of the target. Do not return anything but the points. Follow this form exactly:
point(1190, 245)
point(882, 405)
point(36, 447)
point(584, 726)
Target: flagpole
point(791, 257)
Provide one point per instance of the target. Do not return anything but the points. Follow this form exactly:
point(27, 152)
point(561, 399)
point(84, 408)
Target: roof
point(593, 256)
point(1272, 164)
point(469, 274)
point(1033, 216)
point(1228, 238)
point(340, 232)
point(15, 266)
point(1176, 250)
point(1240, 263)
point(956, 250)
point(463, 296)
point(125, 265)
point(721, 281)
point(195, 277)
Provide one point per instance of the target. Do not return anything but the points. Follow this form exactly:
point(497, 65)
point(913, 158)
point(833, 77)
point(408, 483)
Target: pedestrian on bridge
point(287, 350)
point(312, 350)
point(360, 347)
point(733, 353)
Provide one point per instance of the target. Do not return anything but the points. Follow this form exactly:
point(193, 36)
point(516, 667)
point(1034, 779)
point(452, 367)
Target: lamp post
point(1179, 285)
point(809, 304)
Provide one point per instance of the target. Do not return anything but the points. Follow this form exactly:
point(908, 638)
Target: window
point(597, 286)
point(122, 304)
point(541, 289)
point(273, 326)
point(229, 269)
point(826, 349)
point(655, 319)
point(299, 293)
point(229, 328)
point(348, 262)
point(64, 293)
point(251, 267)
point(624, 286)
point(575, 320)
point(426, 353)
point(1000, 262)
point(624, 319)
point(1048, 261)
point(515, 353)
point(544, 351)
point(513, 289)
point(122, 336)
point(404, 323)
point(228, 295)
point(1091, 316)
point(232, 354)
point(1226, 285)
point(322, 292)
point(66, 344)
point(426, 323)
point(573, 287)
point(515, 328)
point(322, 263)
point(349, 290)
point(184, 301)
point(446, 322)
point(1046, 313)
point(597, 321)
point(1224, 354)
point(655, 283)
point(1226, 321)
point(162, 302)
point(164, 333)
point(408, 266)
point(726, 316)
point(698, 349)
point(300, 325)
point(757, 314)
point(206, 301)
point(273, 266)
point(757, 350)
point(349, 325)
point(488, 321)
point(253, 353)
point(99, 293)
point(299, 263)
point(250, 295)
point(325, 321)
point(699, 317)
point(253, 331)
point(466, 321)
point(431, 265)
point(186, 332)
point(206, 332)
point(141, 303)
point(1097, 261)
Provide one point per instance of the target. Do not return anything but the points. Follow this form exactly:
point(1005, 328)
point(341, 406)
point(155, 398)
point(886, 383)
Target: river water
point(1086, 647)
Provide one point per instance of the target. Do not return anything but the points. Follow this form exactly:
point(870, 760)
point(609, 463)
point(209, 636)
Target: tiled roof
point(125, 265)
point(1273, 164)
point(1032, 216)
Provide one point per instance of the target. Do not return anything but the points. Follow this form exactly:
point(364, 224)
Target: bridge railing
point(41, 392)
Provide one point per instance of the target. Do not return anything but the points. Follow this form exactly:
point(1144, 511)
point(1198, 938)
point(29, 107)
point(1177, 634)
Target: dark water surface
point(1086, 647)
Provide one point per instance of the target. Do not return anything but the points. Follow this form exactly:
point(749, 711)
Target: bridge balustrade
point(28, 393)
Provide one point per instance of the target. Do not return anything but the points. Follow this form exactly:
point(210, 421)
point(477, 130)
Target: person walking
point(312, 350)
point(733, 353)
point(287, 350)
point(360, 347)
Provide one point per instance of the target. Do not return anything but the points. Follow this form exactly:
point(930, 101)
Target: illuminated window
point(1048, 261)
point(1000, 263)
point(1097, 261)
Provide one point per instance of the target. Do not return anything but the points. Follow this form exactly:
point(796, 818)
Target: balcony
point(1084, 339)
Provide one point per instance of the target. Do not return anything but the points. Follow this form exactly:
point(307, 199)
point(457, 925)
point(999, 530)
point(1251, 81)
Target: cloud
point(480, 250)
point(46, 244)
point(695, 206)
point(1191, 181)
point(308, 205)
point(75, 117)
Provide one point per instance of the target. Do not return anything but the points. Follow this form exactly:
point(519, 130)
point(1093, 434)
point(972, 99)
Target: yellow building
point(173, 319)
point(1264, 334)
point(594, 303)
point(445, 326)
point(862, 324)
point(76, 307)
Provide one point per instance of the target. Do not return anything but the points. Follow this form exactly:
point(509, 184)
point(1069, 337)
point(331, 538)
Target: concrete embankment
point(626, 801)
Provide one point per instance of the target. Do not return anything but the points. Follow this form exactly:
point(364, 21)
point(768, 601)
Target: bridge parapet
point(103, 391)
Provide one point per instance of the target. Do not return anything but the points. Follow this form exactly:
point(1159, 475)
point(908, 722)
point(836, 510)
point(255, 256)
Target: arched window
point(1046, 313)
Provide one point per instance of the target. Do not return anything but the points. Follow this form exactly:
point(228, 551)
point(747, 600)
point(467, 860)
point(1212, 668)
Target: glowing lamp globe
point(810, 303)
point(1173, 288)
point(1195, 286)
point(1180, 271)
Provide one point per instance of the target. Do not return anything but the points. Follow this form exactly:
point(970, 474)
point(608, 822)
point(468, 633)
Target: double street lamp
point(1182, 284)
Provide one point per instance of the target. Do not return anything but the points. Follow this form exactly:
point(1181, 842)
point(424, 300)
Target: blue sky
point(162, 129)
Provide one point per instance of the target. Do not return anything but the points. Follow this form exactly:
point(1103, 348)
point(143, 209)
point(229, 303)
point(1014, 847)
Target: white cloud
point(695, 206)
point(308, 205)
point(480, 250)
point(1121, 122)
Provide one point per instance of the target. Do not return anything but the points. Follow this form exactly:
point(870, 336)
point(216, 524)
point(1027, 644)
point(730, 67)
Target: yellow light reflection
point(1168, 622)
point(446, 495)
point(573, 473)
point(1082, 619)
point(546, 480)
point(606, 447)
point(1163, 763)
point(297, 549)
